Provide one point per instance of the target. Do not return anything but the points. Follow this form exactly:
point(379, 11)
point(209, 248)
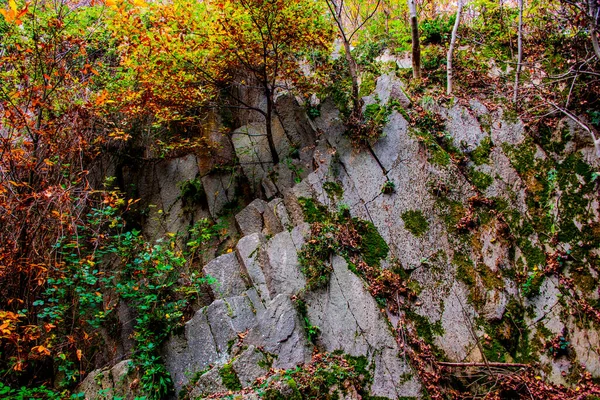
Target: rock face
point(114, 382)
point(254, 323)
point(350, 320)
point(478, 211)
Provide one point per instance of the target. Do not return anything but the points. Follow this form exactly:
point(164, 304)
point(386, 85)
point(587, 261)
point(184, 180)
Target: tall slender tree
point(416, 45)
point(451, 48)
point(349, 19)
point(519, 53)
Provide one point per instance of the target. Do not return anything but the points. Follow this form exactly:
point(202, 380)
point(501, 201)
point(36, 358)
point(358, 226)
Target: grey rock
point(249, 366)
point(293, 117)
point(390, 87)
point(278, 207)
point(495, 305)
point(464, 128)
point(350, 321)
point(388, 149)
point(226, 270)
point(272, 224)
point(208, 383)
point(228, 317)
point(251, 252)
point(362, 168)
point(279, 331)
point(252, 149)
point(191, 352)
point(220, 190)
point(159, 185)
point(299, 234)
point(258, 304)
point(290, 200)
point(282, 272)
point(269, 188)
point(113, 382)
point(458, 335)
point(503, 131)
point(250, 219)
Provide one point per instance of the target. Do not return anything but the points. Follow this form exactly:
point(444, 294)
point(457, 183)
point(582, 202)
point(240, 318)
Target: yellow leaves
point(119, 134)
point(12, 14)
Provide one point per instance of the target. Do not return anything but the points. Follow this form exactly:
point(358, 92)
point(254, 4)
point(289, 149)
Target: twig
point(479, 364)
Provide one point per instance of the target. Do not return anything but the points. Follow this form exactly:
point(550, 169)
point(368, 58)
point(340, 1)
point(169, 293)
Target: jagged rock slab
point(191, 352)
point(250, 365)
point(250, 219)
point(390, 87)
point(390, 149)
point(252, 149)
point(279, 331)
point(209, 382)
point(251, 252)
point(350, 321)
point(228, 317)
point(463, 127)
point(282, 272)
point(220, 190)
point(272, 223)
point(115, 382)
point(225, 270)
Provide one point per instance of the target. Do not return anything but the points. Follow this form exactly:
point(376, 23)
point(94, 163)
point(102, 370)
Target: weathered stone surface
point(228, 317)
point(281, 213)
point(226, 270)
point(297, 125)
point(250, 365)
point(220, 190)
point(507, 131)
point(252, 149)
point(464, 128)
point(350, 321)
point(390, 87)
point(191, 352)
point(388, 149)
point(159, 185)
point(495, 305)
point(111, 382)
point(279, 331)
point(362, 168)
point(210, 382)
point(250, 219)
point(282, 272)
point(272, 224)
point(251, 252)
point(457, 319)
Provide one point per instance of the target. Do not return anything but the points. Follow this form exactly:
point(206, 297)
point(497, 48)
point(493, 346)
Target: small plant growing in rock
point(559, 346)
point(388, 187)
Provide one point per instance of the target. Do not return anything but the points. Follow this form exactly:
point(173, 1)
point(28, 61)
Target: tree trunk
point(593, 10)
point(416, 45)
point(451, 49)
point(269, 125)
point(519, 54)
point(352, 68)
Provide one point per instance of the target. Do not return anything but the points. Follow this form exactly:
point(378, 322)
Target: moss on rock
point(415, 222)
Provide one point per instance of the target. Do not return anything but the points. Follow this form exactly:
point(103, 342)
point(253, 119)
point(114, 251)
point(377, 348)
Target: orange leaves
point(41, 350)
point(8, 324)
point(12, 14)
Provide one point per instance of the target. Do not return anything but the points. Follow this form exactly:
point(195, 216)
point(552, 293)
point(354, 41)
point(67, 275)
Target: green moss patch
point(415, 222)
point(230, 378)
point(481, 155)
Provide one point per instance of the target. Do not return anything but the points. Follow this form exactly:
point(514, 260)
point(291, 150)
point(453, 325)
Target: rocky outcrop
point(478, 210)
